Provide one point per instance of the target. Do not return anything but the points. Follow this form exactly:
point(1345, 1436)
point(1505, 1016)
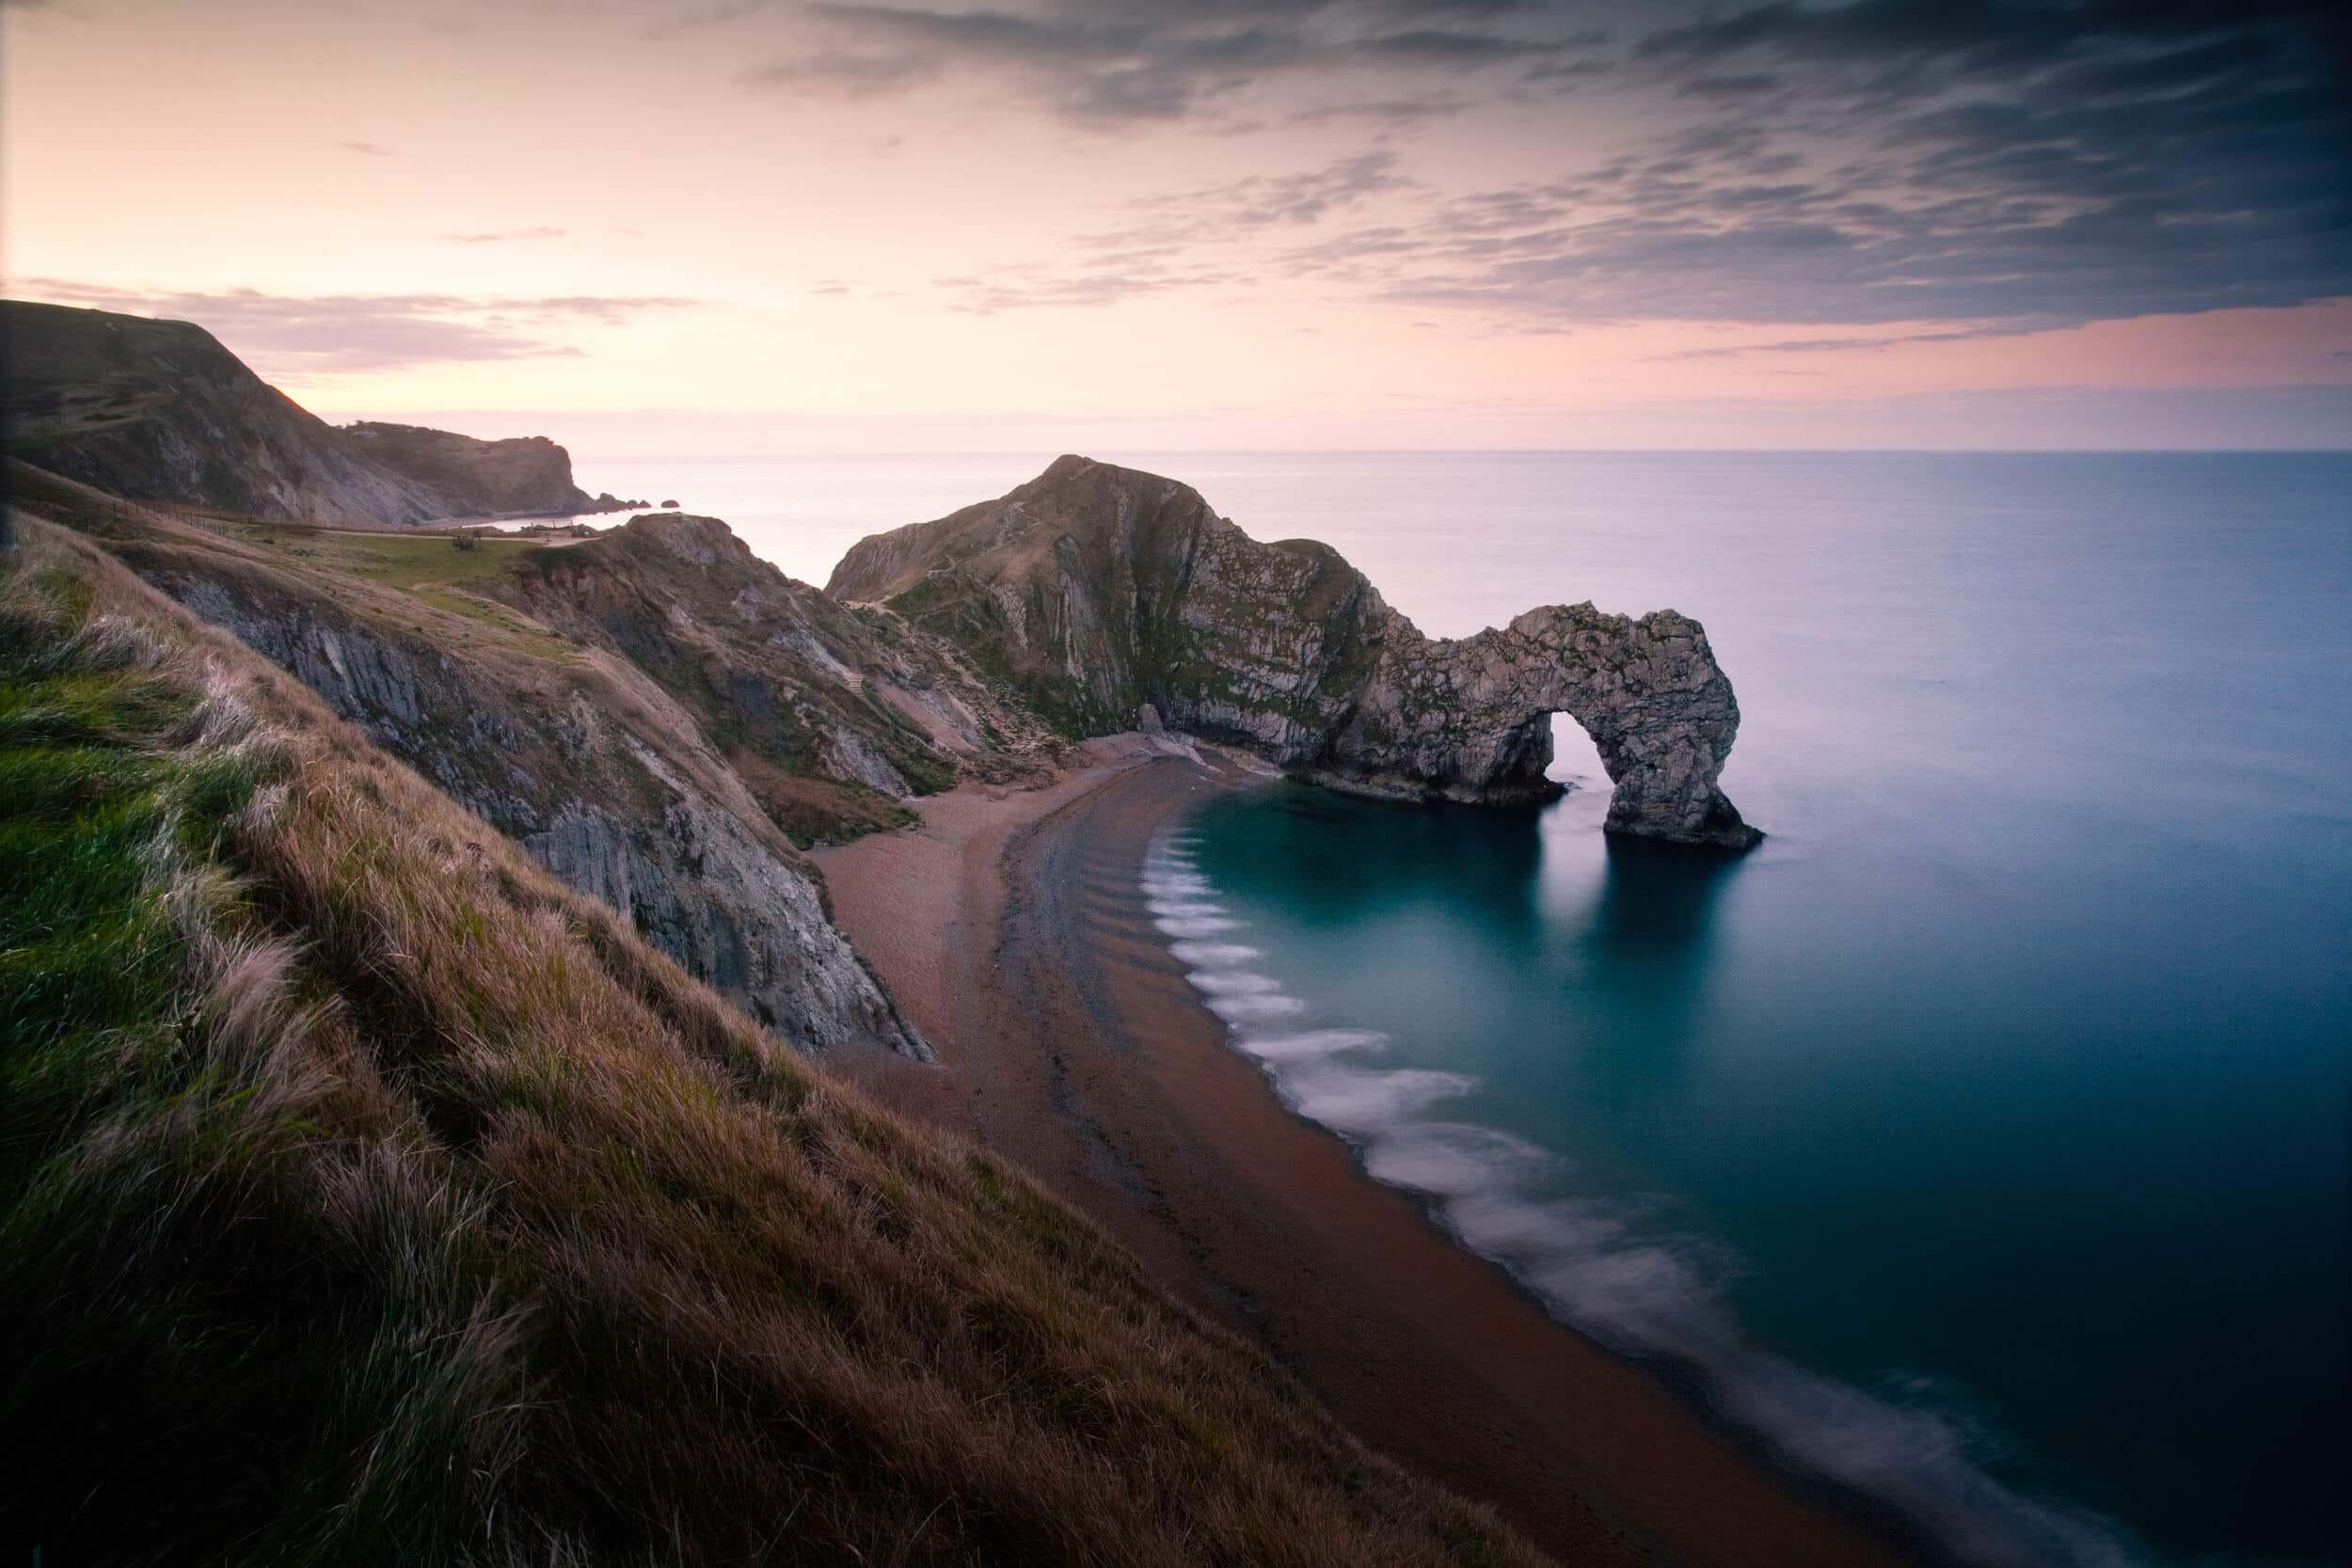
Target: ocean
point(1981, 1140)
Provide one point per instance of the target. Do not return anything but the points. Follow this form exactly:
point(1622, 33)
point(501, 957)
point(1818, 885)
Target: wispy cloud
point(1116, 279)
point(289, 337)
point(1179, 240)
point(1220, 212)
point(1824, 345)
point(366, 149)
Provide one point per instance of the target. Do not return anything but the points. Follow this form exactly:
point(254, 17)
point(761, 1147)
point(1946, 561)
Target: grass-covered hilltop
point(372, 1196)
point(412, 969)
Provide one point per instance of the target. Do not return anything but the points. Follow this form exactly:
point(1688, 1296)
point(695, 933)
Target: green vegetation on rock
point(372, 1197)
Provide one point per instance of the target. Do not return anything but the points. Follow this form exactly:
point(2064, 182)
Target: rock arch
point(1470, 719)
point(1094, 590)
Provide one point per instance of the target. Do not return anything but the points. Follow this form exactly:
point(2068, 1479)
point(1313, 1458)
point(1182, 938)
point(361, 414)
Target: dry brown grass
point(442, 1220)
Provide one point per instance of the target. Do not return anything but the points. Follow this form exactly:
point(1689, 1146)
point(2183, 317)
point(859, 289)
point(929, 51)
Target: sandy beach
point(1012, 929)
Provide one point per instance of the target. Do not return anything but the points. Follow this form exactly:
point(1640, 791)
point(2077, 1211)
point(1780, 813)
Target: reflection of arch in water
point(1364, 859)
point(1657, 900)
point(1647, 940)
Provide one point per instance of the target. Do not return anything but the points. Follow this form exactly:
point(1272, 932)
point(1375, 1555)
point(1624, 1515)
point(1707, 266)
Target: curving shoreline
point(1012, 928)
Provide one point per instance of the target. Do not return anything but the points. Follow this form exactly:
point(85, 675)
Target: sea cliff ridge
point(1096, 591)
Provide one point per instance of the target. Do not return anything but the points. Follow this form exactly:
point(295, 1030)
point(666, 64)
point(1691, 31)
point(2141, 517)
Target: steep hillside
point(1096, 590)
point(831, 717)
point(521, 475)
point(369, 1196)
point(158, 410)
point(651, 729)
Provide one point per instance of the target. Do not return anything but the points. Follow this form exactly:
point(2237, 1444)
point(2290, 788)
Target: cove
point(1939, 1211)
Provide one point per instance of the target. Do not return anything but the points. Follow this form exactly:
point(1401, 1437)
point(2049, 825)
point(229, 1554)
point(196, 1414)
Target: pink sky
point(738, 227)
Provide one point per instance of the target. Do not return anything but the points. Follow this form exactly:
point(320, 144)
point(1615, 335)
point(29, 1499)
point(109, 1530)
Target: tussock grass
point(367, 1196)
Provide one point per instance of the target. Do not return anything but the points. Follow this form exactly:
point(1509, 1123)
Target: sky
point(678, 227)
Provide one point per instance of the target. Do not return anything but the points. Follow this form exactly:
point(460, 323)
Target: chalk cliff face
point(159, 411)
point(1094, 590)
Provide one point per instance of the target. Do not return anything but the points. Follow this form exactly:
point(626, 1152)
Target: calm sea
point(1980, 1140)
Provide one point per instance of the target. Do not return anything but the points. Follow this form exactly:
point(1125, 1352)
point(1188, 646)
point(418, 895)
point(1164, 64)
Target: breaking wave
point(1610, 1267)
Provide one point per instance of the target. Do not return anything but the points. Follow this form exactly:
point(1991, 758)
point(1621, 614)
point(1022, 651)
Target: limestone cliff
point(833, 718)
point(523, 474)
point(563, 743)
point(159, 411)
point(1094, 590)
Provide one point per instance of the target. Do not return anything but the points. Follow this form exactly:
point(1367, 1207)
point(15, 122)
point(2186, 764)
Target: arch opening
point(1575, 762)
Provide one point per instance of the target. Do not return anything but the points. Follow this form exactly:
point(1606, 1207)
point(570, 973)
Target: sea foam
point(1611, 1267)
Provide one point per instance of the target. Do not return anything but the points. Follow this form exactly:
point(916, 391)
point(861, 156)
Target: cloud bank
point(2026, 166)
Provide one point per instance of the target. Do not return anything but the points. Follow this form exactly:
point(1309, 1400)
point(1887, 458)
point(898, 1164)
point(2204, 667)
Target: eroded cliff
point(159, 411)
point(556, 737)
point(1094, 590)
point(521, 474)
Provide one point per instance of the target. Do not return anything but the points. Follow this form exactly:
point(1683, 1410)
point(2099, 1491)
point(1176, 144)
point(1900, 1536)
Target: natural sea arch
point(1471, 720)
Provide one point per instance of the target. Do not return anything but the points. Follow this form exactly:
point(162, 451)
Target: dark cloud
point(1561, 74)
point(1973, 36)
point(1115, 65)
point(1729, 87)
point(2012, 163)
point(1386, 112)
point(1109, 63)
point(289, 337)
point(2023, 166)
point(1453, 47)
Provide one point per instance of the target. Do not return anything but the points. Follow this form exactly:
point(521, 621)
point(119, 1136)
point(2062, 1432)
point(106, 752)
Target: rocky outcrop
point(1095, 590)
point(563, 744)
point(1469, 720)
point(583, 769)
point(833, 717)
point(159, 411)
point(525, 475)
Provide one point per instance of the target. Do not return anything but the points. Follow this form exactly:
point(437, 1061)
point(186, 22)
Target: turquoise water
point(1982, 1137)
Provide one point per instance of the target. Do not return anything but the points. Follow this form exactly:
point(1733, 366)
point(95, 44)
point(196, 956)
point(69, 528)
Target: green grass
point(408, 561)
point(370, 1197)
point(426, 566)
point(91, 808)
point(148, 1276)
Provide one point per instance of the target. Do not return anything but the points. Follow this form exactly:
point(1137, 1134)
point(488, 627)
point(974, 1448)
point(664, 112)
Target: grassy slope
point(366, 1195)
point(474, 603)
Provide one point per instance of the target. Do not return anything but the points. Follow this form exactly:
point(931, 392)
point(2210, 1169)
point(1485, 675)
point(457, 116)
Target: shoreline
point(1011, 924)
